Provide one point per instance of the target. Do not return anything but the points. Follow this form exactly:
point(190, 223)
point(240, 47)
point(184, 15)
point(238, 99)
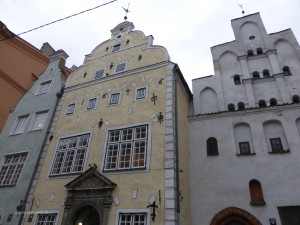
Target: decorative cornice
point(12, 82)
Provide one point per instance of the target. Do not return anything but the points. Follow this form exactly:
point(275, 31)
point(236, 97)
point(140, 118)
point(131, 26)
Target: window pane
point(92, 103)
point(114, 98)
point(40, 121)
point(124, 157)
point(111, 158)
point(70, 109)
point(116, 47)
point(99, 74)
point(21, 124)
point(141, 93)
point(44, 87)
point(120, 67)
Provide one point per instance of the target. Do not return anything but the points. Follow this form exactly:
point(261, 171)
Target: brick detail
point(234, 214)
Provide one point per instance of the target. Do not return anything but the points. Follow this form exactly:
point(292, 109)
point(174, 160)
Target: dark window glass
point(273, 102)
point(266, 73)
point(244, 148)
point(259, 51)
point(255, 75)
point(212, 146)
point(241, 106)
point(237, 79)
point(262, 103)
point(250, 52)
point(231, 107)
point(276, 144)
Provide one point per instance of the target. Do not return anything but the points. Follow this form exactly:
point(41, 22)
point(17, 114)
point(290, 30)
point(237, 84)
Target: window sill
point(139, 170)
point(280, 151)
point(213, 154)
point(61, 176)
point(10, 185)
point(248, 154)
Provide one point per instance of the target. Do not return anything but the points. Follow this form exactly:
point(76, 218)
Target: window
point(114, 98)
point(244, 148)
point(70, 155)
point(273, 102)
point(256, 193)
point(39, 120)
point(241, 106)
point(116, 47)
point(250, 52)
point(132, 219)
point(140, 93)
point(266, 73)
point(126, 148)
point(46, 219)
point(276, 144)
point(237, 79)
point(99, 74)
point(230, 107)
point(286, 71)
point(255, 75)
point(92, 104)
point(259, 51)
point(212, 146)
point(12, 168)
point(296, 99)
point(262, 104)
point(44, 87)
point(70, 109)
point(120, 67)
point(20, 124)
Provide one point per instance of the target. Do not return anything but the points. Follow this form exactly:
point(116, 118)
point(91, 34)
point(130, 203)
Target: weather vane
point(127, 11)
point(240, 5)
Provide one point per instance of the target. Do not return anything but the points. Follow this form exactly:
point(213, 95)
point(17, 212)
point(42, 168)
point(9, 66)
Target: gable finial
point(127, 11)
point(241, 6)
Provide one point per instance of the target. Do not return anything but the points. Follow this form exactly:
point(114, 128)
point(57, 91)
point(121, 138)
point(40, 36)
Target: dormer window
point(116, 47)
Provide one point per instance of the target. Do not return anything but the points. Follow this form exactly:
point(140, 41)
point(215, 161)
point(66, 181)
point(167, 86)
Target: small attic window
point(119, 36)
point(116, 47)
point(250, 52)
point(252, 37)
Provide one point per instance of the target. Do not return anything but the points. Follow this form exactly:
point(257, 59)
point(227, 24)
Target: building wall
point(221, 182)
point(20, 65)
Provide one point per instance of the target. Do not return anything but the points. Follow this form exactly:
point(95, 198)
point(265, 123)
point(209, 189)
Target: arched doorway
point(234, 216)
point(87, 216)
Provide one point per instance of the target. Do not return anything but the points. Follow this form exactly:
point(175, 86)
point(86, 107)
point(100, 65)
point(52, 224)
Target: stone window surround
point(57, 212)
point(96, 104)
point(104, 74)
point(75, 107)
point(116, 72)
point(34, 120)
point(119, 100)
point(13, 130)
point(37, 92)
point(146, 94)
point(119, 211)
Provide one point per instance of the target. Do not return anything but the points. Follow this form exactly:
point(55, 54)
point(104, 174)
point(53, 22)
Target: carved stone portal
point(89, 198)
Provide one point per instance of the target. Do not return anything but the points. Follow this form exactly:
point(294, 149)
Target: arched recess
point(233, 215)
point(250, 28)
point(208, 101)
point(256, 193)
point(298, 125)
point(286, 53)
point(275, 137)
point(243, 139)
point(87, 215)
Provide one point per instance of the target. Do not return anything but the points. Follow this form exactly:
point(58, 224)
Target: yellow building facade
point(118, 151)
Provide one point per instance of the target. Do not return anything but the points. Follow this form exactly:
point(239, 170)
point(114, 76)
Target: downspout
point(58, 95)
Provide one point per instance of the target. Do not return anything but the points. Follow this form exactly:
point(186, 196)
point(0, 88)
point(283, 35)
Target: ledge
point(280, 151)
point(250, 154)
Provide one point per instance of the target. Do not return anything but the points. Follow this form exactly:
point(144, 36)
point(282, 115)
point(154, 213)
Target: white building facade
point(244, 131)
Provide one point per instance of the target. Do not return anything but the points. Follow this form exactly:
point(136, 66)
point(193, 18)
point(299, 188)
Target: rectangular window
point(126, 148)
point(99, 74)
point(91, 104)
point(120, 67)
point(70, 109)
point(12, 168)
point(46, 219)
point(132, 219)
point(141, 93)
point(20, 124)
point(70, 155)
point(244, 148)
point(116, 47)
point(114, 99)
point(44, 87)
point(39, 120)
point(276, 144)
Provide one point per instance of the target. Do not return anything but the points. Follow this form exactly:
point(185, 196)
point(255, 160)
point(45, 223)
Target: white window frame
point(40, 87)
point(136, 93)
point(16, 124)
point(68, 114)
point(112, 49)
point(69, 151)
point(110, 97)
point(128, 170)
point(37, 213)
point(31, 128)
point(10, 165)
point(102, 75)
point(125, 68)
point(96, 104)
point(146, 211)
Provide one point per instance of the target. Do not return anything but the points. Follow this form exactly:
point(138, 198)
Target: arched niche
point(275, 137)
point(256, 193)
point(229, 66)
point(208, 101)
point(286, 54)
point(243, 139)
point(248, 29)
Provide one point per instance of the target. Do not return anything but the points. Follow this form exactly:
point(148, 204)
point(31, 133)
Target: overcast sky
point(187, 28)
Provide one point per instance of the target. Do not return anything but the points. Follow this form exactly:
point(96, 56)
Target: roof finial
point(240, 5)
point(127, 11)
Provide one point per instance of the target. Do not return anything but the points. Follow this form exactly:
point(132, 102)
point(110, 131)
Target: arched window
point(212, 146)
point(237, 79)
point(266, 73)
point(273, 102)
point(256, 193)
point(286, 71)
point(255, 75)
point(250, 52)
point(259, 51)
point(262, 103)
point(231, 107)
point(296, 99)
point(241, 106)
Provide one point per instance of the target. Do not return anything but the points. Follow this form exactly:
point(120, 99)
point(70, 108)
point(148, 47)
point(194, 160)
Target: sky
point(186, 28)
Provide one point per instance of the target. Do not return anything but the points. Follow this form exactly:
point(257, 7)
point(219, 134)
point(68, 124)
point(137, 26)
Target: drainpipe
point(58, 95)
